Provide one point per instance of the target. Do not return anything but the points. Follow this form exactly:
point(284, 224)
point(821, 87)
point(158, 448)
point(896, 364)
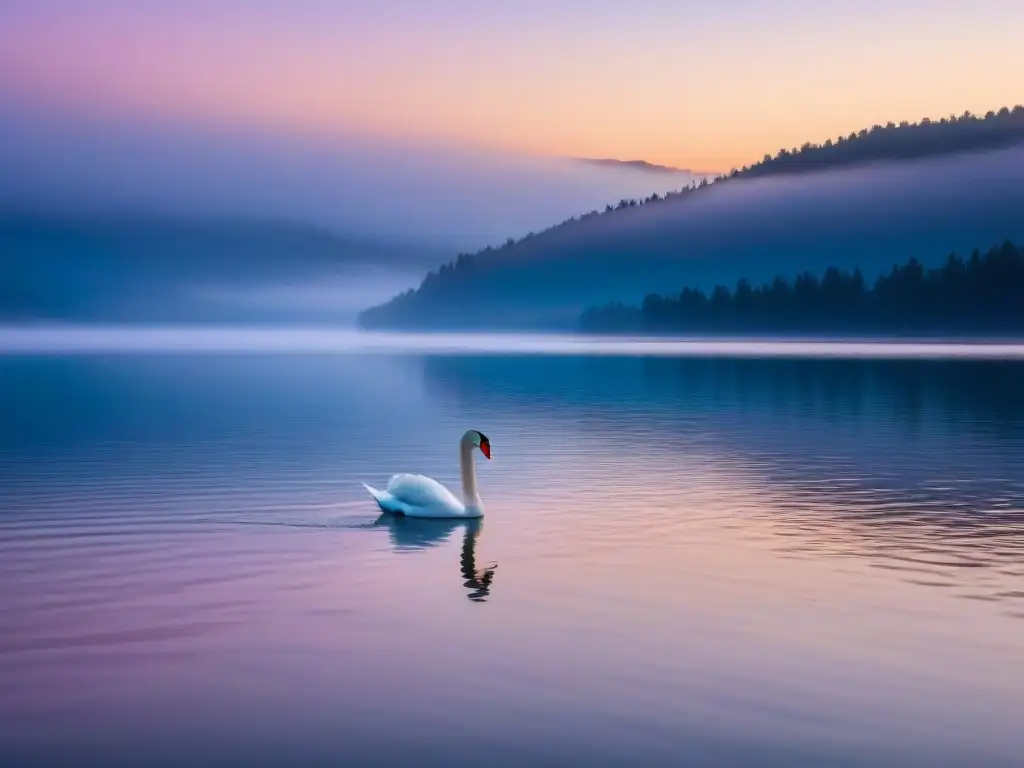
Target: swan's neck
point(470, 496)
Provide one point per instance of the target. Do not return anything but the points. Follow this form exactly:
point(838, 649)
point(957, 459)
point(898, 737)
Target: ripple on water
point(725, 547)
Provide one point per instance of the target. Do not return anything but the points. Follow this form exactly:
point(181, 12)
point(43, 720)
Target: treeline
point(984, 293)
point(903, 141)
point(889, 142)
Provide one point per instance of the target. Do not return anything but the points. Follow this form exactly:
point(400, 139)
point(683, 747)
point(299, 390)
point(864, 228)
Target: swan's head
point(479, 440)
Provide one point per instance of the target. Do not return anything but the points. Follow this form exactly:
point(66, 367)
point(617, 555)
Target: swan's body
point(421, 496)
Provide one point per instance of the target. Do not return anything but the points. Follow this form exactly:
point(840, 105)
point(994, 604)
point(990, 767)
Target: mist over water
point(85, 339)
point(92, 211)
point(336, 297)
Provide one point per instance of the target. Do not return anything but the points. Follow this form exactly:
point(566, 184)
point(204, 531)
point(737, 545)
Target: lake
point(713, 553)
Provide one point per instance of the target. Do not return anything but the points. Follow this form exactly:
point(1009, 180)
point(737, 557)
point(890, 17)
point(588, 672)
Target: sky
point(699, 85)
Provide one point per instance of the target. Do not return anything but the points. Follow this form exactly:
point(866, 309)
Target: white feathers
point(421, 496)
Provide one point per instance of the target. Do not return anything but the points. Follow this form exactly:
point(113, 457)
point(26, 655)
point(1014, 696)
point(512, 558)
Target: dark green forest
point(981, 294)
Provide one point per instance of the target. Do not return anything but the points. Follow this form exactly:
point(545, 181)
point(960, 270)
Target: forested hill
point(903, 141)
point(865, 200)
point(982, 294)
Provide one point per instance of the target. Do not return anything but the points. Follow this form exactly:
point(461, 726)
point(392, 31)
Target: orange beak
point(485, 449)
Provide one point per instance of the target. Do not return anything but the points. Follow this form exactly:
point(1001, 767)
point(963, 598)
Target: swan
point(420, 496)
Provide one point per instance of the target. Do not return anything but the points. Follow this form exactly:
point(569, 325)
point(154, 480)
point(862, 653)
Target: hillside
point(885, 194)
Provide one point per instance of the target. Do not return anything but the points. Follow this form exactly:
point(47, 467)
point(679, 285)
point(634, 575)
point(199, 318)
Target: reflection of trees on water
point(916, 465)
point(977, 395)
point(409, 534)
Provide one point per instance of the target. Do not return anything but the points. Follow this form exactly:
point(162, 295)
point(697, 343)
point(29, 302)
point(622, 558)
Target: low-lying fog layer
point(108, 339)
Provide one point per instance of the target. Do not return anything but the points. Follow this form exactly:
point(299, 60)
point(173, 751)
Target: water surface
point(702, 559)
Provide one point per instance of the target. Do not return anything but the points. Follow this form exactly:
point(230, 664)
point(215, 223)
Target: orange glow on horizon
point(593, 96)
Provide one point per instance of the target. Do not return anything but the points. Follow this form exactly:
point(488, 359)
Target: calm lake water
point(725, 557)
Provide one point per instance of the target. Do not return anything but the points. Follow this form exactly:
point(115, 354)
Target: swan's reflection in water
point(409, 534)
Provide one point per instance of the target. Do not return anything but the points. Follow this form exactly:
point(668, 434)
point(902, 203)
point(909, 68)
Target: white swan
point(420, 496)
